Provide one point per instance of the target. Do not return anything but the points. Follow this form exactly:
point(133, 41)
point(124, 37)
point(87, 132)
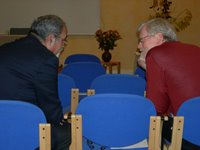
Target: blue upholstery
point(19, 127)
point(81, 58)
point(115, 120)
point(65, 84)
point(83, 73)
point(140, 72)
point(190, 109)
point(119, 83)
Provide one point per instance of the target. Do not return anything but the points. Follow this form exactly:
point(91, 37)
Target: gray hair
point(46, 25)
point(159, 25)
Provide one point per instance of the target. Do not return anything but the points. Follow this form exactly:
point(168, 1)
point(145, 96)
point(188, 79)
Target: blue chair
point(119, 83)
point(66, 92)
point(113, 120)
point(140, 72)
point(190, 110)
point(83, 73)
point(81, 58)
point(19, 127)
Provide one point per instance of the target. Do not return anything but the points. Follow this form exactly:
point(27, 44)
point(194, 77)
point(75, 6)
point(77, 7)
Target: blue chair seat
point(19, 127)
point(115, 120)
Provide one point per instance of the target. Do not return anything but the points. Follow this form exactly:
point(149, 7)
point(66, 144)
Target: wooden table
point(110, 65)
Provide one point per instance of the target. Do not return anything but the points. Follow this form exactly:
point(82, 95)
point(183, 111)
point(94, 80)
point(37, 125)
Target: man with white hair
point(172, 72)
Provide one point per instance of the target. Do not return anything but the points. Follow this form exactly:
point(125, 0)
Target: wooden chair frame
point(177, 134)
point(154, 133)
point(92, 92)
point(76, 129)
point(45, 136)
point(74, 99)
point(155, 130)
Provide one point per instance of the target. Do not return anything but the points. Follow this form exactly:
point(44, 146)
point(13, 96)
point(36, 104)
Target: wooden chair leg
point(76, 128)
point(90, 92)
point(155, 131)
point(177, 133)
point(74, 100)
point(45, 136)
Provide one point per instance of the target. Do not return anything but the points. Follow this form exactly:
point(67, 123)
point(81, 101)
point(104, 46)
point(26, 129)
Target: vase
point(106, 56)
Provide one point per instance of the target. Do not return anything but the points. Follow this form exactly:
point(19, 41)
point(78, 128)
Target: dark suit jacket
point(28, 72)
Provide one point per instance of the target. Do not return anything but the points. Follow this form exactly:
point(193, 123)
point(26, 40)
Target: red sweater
point(173, 75)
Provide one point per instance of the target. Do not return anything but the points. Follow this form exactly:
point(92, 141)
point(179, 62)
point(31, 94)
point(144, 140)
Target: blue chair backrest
point(190, 109)
point(119, 83)
point(115, 120)
point(65, 84)
point(19, 127)
point(81, 58)
point(83, 73)
point(140, 72)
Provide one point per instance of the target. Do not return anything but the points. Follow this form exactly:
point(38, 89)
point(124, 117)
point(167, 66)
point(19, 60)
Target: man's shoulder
point(164, 52)
point(171, 48)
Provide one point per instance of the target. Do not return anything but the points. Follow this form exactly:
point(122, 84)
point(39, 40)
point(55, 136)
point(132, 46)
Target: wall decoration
point(162, 8)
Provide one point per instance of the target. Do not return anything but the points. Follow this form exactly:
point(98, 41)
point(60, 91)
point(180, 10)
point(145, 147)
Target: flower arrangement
point(107, 39)
point(162, 9)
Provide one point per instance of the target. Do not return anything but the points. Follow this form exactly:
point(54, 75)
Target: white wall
point(81, 16)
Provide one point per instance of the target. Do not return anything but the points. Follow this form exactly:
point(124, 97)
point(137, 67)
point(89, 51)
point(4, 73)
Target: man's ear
point(51, 38)
point(49, 41)
point(160, 36)
point(53, 41)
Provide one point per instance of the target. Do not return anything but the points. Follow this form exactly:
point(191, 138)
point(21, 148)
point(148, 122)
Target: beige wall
point(115, 14)
point(125, 16)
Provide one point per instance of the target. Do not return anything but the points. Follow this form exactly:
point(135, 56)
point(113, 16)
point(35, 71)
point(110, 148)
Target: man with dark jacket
point(29, 73)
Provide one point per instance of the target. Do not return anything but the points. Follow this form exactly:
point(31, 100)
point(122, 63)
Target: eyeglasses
point(64, 40)
point(142, 39)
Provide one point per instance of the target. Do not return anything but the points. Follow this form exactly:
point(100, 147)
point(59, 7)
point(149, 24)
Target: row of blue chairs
point(124, 120)
point(83, 73)
point(93, 58)
point(103, 83)
point(83, 68)
point(108, 120)
point(107, 83)
point(81, 58)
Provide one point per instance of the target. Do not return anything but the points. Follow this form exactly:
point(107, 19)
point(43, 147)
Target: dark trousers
point(167, 133)
point(61, 136)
